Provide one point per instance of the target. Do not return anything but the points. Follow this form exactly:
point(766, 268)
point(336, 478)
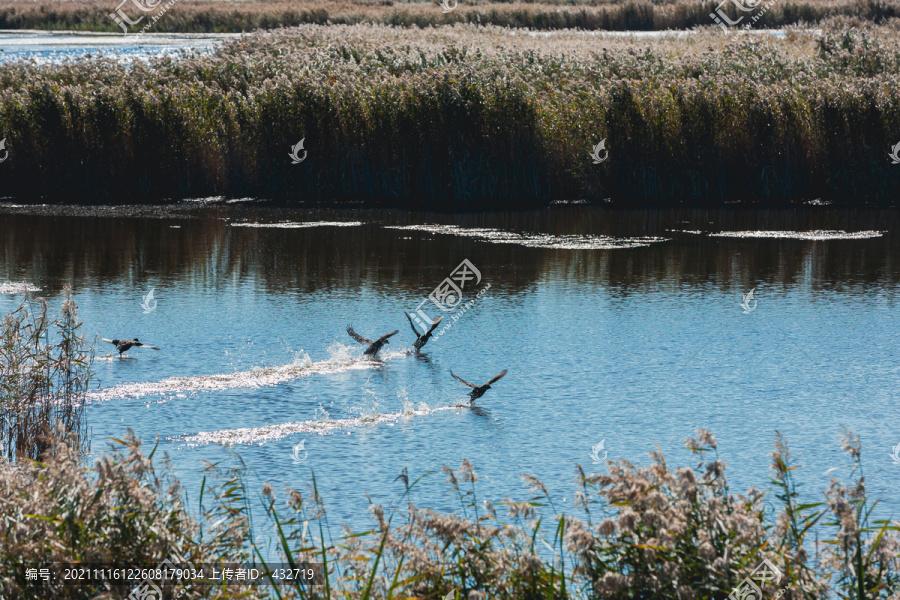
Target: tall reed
point(653, 532)
point(45, 371)
point(196, 16)
point(644, 532)
point(464, 116)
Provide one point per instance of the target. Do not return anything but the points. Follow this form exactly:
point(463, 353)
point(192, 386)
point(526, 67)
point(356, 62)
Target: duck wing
point(497, 377)
point(463, 381)
point(387, 335)
point(358, 337)
point(415, 331)
point(435, 323)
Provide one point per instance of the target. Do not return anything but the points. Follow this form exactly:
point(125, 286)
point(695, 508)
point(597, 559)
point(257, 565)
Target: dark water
point(635, 346)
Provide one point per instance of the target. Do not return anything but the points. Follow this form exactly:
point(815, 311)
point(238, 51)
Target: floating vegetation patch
point(817, 234)
point(537, 240)
point(13, 287)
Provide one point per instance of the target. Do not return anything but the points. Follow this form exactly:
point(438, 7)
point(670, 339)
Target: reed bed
point(124, 511)
point(43, 379)
point(466, 116)
point(193, 16)
point(652, 532)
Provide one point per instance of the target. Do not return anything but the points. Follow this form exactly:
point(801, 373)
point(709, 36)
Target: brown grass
point(468, 116)
point(45, 371)
point(652, 532)
point(245, 16)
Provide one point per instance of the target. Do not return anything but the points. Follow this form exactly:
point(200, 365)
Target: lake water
point(51, 47)
point(618, 326)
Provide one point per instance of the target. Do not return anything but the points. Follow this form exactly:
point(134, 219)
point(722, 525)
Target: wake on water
point(341, 358)
point(266, 433)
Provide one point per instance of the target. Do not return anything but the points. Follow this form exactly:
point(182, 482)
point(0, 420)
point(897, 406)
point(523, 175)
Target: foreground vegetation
point(43, 379)
point(467, 116)
point(193, 16)
point(637, 532)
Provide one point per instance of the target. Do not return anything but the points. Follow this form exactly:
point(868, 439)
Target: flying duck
point(125, 345)
point(375, 346)
point(479, 390)
point(421, 340)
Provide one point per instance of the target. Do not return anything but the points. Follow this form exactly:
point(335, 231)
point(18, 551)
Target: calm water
point(50, 47)
point(636, 339)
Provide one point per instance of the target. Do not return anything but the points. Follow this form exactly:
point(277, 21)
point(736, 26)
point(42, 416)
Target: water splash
point(299, 225)
point(267, 433)
point(537, 240)
point(341, 358)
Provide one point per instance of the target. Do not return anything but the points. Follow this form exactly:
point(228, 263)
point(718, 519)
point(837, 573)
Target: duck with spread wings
point(422, 339)
point(125, 345)
point(373, 346)
point(479, 390)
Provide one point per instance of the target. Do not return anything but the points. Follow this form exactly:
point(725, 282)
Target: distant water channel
point(51, 47)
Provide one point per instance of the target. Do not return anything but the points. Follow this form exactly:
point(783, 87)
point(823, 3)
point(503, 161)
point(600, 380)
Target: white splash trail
point(537, 240)
point(293, 225)
point(266, 433)
point(341, 359)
